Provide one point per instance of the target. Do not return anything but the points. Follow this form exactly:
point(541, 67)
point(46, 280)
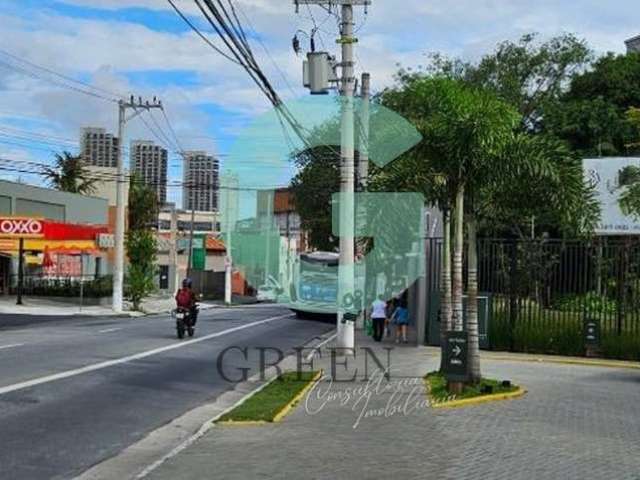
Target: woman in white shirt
point(378, 317)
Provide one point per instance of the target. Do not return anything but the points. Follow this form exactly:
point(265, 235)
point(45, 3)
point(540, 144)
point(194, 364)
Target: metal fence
point(543, 291)
point(90, 286)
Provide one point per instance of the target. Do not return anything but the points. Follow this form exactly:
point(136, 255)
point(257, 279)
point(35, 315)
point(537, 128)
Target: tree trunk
point(458, 247)
point(472, 303)
point(445, 282)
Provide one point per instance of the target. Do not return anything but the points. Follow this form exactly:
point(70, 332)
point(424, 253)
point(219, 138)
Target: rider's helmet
point(186, 283)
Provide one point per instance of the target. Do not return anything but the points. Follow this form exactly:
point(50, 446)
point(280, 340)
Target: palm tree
point(69, 174)
point(538, 176)
point(462, 129)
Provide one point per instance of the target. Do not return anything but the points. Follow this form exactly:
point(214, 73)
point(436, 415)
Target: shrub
point(543, 331)
point(622, 347)
point(590, 303)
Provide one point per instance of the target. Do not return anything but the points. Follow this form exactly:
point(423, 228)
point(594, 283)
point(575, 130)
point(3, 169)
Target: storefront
point(51, 249)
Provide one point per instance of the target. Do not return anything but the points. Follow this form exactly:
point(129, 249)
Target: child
point(401, 320)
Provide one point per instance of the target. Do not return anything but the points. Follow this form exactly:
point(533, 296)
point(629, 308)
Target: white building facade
point(149, 162)
point(99, 148)
point(201, 182)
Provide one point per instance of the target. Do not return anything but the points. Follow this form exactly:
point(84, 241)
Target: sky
point(142, 47)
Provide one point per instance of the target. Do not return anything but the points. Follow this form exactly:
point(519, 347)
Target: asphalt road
point(76, 392)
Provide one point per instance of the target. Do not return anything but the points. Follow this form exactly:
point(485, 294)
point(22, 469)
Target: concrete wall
point(61, 206)
point(106, 186)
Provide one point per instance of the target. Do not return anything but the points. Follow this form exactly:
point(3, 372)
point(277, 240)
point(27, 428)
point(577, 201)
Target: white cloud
point(107, 50)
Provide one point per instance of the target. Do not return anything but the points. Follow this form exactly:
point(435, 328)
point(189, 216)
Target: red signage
point(70, 231)
point(15, 227)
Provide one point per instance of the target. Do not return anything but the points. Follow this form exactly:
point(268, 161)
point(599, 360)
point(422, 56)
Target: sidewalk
point(576, 422)
point(42, 306)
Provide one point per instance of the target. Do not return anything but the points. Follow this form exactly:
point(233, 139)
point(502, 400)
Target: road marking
point(109, 330)
point(13, 345)
point(317, 348)
point(130, 358)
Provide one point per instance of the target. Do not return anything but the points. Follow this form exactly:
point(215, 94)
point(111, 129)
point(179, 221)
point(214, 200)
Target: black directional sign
point(592, 332)
point(456, 365)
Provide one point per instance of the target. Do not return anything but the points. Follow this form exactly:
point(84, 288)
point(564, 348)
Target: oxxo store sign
point(13, 227)
point(38, 234)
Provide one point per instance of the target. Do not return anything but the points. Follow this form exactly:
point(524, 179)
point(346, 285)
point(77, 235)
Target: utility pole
point(363, 174)
point(118, 269)
point(346, 333)
point(173, 251)
point(229, 212)
point(345, 325)
point(193, 219)
point(363, 164)
point(268, 223)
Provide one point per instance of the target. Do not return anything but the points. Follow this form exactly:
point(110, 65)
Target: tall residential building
point(149, 161)
point(633, 44)
point(200, 190)
point(98, 147)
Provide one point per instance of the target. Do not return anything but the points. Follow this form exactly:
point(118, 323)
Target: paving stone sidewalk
point(576, 422)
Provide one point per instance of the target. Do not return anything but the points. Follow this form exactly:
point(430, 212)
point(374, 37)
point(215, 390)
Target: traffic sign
point(592, 332)
point(456, 364)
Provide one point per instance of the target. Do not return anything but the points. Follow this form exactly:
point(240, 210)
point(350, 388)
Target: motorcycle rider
point(186, 299)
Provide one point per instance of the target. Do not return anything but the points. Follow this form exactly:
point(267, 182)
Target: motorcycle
point(185, 321)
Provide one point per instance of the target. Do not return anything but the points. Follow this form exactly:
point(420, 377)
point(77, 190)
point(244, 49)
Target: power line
point(58, 83)
point(200, 34)
point(57, 74)
point(60, 80)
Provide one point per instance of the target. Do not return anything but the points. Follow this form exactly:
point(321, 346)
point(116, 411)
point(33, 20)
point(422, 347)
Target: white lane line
point(109, 330)
point(317, 348)
point(130, 358)
point(13, 345)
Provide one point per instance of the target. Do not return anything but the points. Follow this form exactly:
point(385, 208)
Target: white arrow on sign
point(457, 350)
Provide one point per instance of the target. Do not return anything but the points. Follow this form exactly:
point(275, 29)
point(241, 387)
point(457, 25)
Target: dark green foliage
point(591, 115)
point(590, 303)
point(623, 347)
point(141, 242)
point(559, 331)
point(141, 248)
point(438, 388)
point(527, 74)
point(313, 186)
point(143, 205)
point(69, 175)
point(69, 288)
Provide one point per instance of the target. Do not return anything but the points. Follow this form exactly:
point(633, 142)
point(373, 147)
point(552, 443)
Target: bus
point(314, 286)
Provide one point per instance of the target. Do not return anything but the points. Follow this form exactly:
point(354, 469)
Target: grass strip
point(265, 405)
point(438, 393)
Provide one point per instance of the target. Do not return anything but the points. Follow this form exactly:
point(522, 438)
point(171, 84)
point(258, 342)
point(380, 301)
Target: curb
point(569, 361)
point(497, 397)
point(284, 411)
point(531, 358)
point(210, 423)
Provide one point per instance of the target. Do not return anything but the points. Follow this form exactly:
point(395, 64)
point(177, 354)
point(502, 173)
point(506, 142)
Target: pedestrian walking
point(389, 309)
point(378, 317)
point(401, 320)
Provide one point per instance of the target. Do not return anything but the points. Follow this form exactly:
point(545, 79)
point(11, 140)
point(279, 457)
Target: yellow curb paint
point(289, 406)
point(280, 414)
point(481, 399)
